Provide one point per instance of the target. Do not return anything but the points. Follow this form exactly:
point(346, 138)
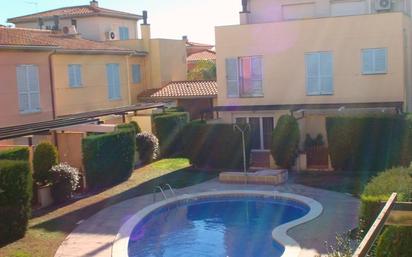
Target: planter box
point(44, 196)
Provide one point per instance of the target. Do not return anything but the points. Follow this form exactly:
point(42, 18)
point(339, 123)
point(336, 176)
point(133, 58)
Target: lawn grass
point(48, 228)
point(350, 182)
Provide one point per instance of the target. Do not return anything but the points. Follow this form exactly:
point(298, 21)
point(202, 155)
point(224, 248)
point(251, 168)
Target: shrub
point(109, 158)
point(65, 180)
point(285, 142)
point(147, 146)
point(372, 143)
point(379, 189)
point(15, 197)
point(395, 242)
point(44, 158)
point(216, 146)
point(17, 154)
point(166, 128)
point(131, 125)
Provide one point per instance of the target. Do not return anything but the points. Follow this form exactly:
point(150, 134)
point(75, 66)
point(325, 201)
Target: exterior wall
point(136, 89)
point(263, 11)
point(93, 95)
point(284, 44)
point(9, 99)
point(92, 28)
point(168, 61)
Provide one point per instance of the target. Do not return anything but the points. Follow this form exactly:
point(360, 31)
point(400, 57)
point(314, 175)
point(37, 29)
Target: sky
point(168, 18)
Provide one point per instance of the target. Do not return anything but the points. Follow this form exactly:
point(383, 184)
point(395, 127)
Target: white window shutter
point(232, 77)
point(22, 86)
point(380, 55)
point(312, 74)
point(326, 73)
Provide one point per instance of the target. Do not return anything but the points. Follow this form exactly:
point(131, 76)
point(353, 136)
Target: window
point(244, 77)
point(74, 23)
point(319, 73)
point(136, 73)
point(261, 131)
point(124, 33)
point(113, 81)
point(75, 75)
point(374, 61)
point(28, 88)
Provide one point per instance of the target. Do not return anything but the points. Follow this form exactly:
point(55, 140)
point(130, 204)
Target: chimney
point(146, 33)
point(41, 23)
point(244, 14)
point(185, 38)
point(56, 20)
point(94, 4)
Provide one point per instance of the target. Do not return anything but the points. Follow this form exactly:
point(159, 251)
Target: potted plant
point(44, 158)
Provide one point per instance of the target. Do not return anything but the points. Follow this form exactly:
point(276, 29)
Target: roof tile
point(200, 56)
point(182, 89)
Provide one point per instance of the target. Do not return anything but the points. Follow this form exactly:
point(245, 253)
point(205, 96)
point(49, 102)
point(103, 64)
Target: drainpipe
point(53, 102)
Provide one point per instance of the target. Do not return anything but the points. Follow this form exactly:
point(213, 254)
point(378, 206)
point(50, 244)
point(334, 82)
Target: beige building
point(313, 59)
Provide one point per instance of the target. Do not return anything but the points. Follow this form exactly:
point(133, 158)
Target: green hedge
point(285, 141)
point(16, 154)
point(395, 242)
point(109, 158)
point(379, 190)
point(216, 146)
point(15, 197)
point(371, 143)
point(131, 125)
point(167, 127)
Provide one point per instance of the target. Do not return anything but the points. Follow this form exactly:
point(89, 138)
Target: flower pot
point(44, 196)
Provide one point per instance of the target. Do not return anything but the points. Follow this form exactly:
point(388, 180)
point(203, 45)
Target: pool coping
point(279, 234)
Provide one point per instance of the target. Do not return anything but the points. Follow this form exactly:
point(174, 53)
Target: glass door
point(261, 131)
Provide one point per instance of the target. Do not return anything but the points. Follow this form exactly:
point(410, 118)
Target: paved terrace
point(94, 237)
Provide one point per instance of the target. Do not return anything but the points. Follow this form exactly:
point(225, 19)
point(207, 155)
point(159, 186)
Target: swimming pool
point(234, 224)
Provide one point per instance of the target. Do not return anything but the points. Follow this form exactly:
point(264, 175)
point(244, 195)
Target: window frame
point(240, 78)
point(374, 71)
point(320, 77)
point(28, 90)
point(78, 76)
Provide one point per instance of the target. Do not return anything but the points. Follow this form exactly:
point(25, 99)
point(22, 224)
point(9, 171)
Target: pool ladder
point(162, 190)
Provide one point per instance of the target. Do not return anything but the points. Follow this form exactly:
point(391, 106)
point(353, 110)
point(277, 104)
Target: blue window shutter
point(75, 75)
point(136, 73)
point(71, 72)
point(109, 74)
point(124, 33)
point(312, 73)
point(34, 88)
point(380, 58)
point(116, 81)
point(232, 77)
point(257, 76)
point(22, 85)
point(367, 61)
point(326, 73)
point(79, 75)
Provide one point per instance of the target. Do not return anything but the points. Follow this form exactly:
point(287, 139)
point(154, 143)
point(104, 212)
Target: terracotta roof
point(18, 37)
point(73, 12)
point(183, 89)
point(203, 55)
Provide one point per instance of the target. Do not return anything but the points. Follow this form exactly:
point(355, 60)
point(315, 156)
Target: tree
point(203, 70)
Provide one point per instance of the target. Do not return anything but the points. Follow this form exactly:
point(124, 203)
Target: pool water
point(220, 227)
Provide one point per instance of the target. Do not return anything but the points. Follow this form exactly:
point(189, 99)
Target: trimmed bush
point(147, 146)
point(216, 146)
point(65, 180)
point(371, 143)
point(15, 197)
point(16, 154)
point(395, 242)
point(285, 141)
point(109, 158)
point(131, 125)
point(167, 127)
point(44, 158)
point(379, 189)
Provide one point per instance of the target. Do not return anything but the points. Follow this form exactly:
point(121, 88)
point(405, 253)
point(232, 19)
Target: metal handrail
point(161, 190)
point(171, 189)
point(376, 228)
